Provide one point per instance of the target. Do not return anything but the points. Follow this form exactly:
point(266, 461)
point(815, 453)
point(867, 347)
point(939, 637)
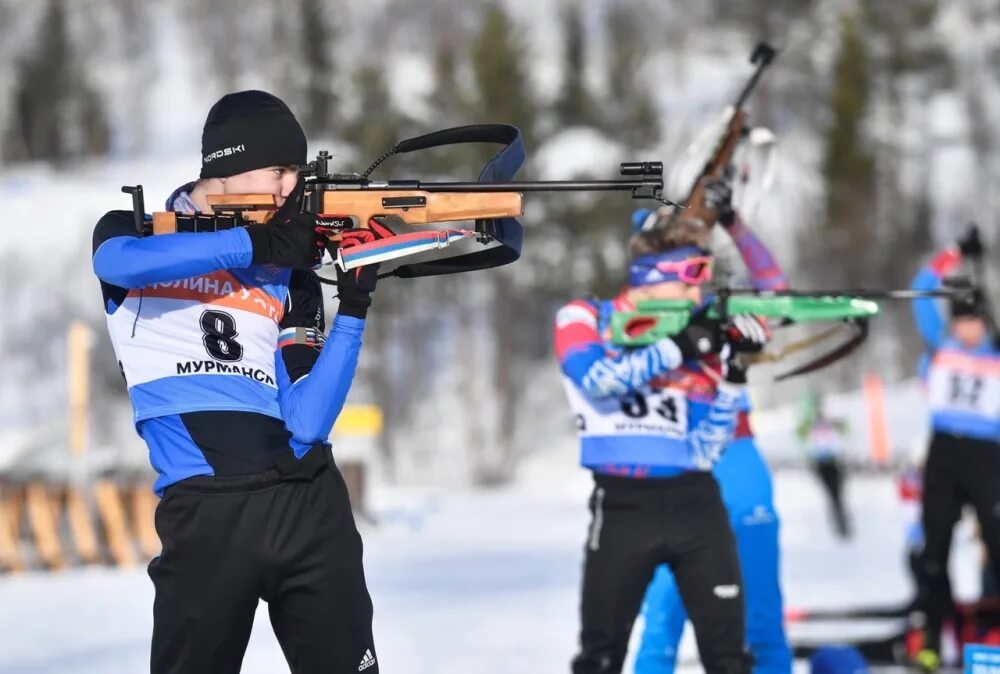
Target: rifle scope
point(642, 168)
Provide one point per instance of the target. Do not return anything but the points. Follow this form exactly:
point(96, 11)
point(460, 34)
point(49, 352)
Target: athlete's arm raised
point(930, 320)
point(765, 274)
point(315, 374)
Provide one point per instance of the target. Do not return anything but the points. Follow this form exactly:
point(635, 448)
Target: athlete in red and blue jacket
point(747, 491)
point(652, 422)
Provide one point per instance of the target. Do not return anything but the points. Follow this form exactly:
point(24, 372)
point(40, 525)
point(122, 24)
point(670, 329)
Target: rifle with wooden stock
point(720, 160)
point(342, 201)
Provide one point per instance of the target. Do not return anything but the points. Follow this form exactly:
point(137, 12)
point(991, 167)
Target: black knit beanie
point(250, 130)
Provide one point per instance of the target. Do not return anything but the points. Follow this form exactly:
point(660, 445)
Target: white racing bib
point(661, 412)
point(170, 336)
point(825, 440)
point(964, 384)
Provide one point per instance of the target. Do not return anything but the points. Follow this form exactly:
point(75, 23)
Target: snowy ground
point(482, 581)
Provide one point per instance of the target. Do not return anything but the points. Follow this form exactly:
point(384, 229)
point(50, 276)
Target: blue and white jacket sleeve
point(583, 358)
point(715, 431)
point(314, 372)
point(124, 259)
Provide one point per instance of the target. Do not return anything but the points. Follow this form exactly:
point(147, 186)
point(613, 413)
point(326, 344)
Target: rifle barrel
point(908, 294)
point(750, 85)
point(544, 186)
point(762, 55)
point(513, 186)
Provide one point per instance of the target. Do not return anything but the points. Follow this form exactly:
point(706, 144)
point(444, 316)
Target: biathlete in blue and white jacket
point(961, 370)
point(652, 422)
point(234, 388)
point(748, 493)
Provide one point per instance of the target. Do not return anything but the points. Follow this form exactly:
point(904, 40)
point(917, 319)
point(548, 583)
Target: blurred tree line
point(469, 351)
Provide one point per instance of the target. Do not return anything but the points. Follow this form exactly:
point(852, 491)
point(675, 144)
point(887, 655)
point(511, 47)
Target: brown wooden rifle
point(719, 162)
point(342, 201)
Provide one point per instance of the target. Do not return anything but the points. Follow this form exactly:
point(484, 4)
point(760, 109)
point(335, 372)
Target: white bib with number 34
point(659, 412)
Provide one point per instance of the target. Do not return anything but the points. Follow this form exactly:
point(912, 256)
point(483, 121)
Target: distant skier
point(962, 372)
point(824, 440)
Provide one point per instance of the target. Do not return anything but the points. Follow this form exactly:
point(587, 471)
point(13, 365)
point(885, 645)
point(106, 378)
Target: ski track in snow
point(462, 580)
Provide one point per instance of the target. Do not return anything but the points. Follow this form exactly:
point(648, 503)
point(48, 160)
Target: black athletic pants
point(958, 471)
point(286, 536)
point(831, 475)
point(639, 524)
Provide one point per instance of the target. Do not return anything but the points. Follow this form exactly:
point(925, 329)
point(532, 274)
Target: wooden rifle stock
point(418, 207)
point(715, 169)
point(228, 211)
point(260, 203)
point(413, 207)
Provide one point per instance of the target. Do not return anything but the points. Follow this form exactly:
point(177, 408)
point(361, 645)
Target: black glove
point(719, 196)
point(355, 287)
point(733, 365)
point(700, 337)
point(970, 244)
point(289, 238)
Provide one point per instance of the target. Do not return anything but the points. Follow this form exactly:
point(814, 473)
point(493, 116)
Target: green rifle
point(653, 320)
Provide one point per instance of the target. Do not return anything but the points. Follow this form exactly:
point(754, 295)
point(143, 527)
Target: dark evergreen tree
point(631, 115)
point(848, 165)
point(375, 128)
point(503, 93)
point(575, 104)
point(316, 38)
point(501, 73)
point(57, 115)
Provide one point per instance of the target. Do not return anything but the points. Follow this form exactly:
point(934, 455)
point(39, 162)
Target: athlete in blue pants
point(745, 481)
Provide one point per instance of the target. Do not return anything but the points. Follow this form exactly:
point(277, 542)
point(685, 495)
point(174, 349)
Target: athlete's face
point(275, 180)
point(969, 330)
point(668, 290)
